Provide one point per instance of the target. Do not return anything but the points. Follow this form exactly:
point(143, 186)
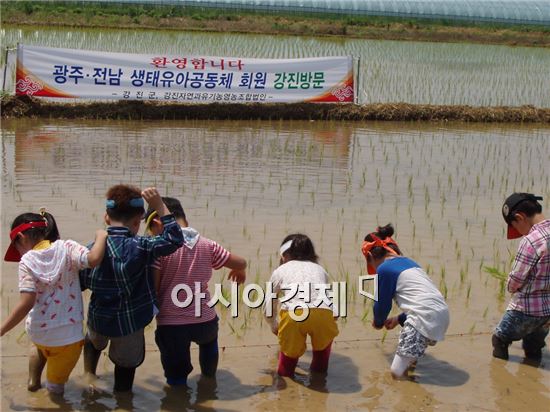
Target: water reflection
point(507, 379)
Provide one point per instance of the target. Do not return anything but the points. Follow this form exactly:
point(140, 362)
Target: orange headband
point(367, 246)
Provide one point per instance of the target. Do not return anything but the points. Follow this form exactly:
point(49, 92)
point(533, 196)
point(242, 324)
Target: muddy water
point(247, 185)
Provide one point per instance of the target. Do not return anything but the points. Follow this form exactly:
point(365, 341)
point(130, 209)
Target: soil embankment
point(25, 106)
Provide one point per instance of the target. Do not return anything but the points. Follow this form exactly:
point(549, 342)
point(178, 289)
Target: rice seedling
point(500, 276)
point(443, 288)
point(462, 275)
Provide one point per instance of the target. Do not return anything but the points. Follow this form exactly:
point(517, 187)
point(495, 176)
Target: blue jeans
point(517, 325)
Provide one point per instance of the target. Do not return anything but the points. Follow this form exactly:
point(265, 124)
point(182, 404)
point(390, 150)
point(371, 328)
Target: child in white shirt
point(299, 271)
point(50, 295)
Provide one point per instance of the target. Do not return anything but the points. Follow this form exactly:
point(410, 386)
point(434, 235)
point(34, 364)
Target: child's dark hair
point(301, 248)
point(50, 232)
point(382, 232)
point(174, 207)
point(529, 207)
point(120, 197)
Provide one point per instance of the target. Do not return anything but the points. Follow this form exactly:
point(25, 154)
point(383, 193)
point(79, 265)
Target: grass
point(24, 106)
point(325, 24)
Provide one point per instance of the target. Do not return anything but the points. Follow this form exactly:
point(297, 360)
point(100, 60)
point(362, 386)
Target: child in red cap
point(527, 317)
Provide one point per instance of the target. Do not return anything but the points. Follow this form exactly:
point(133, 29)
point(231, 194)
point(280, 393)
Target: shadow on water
point(433, 371)
point(506, 376)
point(437, 372)
point(75, 399)
point(225, 387)
point(58, 403)
point(535, 363)
point(342, 376)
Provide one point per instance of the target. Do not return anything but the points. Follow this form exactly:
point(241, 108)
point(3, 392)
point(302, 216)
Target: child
point(299, 268)
point(177, 327)
point(528, 314)
point(425, 316)
point(50, 295)
point(123, 298)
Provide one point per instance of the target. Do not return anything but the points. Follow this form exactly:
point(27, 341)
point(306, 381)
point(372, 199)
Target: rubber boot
point(500, 348)
point(286, 365)
point(319, 363)
point(37, 361)
point(532, 352)
point(124, 378)
point(91, 357)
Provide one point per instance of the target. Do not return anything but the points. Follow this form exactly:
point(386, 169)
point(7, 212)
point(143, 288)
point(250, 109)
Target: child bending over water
point(425, 316)
point(299, 267)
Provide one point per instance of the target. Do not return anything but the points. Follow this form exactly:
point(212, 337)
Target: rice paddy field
point(390, 71)
point(249, 184)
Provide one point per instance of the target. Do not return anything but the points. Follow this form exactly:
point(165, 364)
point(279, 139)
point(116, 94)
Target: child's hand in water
point(237, 275)
point(376, 327)
point(392, 322)
point(152, 197)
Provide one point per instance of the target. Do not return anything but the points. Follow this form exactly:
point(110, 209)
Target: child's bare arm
point(152, 197)
point(23, 307)
point(237, 265)
point(98, 249)
point(271, 306)
point(392, 322)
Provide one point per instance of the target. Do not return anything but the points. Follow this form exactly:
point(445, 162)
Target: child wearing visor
point(50, 295)
point(425, 316)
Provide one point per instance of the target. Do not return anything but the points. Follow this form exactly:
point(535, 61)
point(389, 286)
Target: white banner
point(67, 73)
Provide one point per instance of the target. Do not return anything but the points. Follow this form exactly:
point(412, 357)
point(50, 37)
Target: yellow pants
point(320, 325)
point(60, 360)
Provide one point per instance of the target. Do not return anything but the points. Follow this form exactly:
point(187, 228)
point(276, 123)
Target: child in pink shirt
point(178, 326)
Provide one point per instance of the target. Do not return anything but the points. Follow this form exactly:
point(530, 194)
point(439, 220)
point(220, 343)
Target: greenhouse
point(499, 11)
